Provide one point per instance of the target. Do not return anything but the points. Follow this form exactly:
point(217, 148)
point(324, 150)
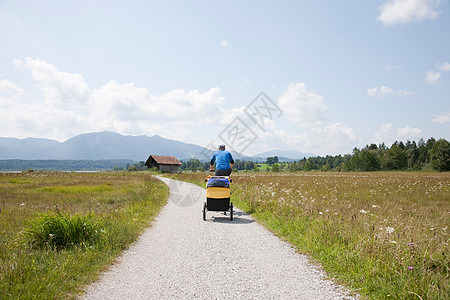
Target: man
point(223, 160)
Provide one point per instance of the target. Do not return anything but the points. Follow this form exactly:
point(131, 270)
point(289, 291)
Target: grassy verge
point(382, 234)
point(59, 230)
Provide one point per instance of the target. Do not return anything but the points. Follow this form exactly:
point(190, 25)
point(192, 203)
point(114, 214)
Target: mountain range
point(111, 145)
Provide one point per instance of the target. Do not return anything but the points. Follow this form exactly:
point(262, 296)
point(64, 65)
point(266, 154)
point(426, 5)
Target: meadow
point(382, 234)
point(59, 230)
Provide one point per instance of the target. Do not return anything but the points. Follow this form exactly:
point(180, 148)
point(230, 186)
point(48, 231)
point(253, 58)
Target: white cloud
point(408, 133)
point(224, 43)
point(384, 91)
point(11, 89)
point(406, 11)
point(302, 106)
point(120, 104)
point(385, 134)
point(432, 77)
point(60, 88)
point(444, 66)
point(388, 134)
point(445, 118)
point(65, 106)
point(332, 138)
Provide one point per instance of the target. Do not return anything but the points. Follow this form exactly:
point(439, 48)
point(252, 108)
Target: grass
point(58, 231)
point(383, 234)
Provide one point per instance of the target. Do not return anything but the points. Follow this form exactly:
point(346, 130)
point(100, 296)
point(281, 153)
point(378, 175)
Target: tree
point(139, 166)
point(394, 158)
point(293, 167)
point(193, 164)
point(276, 168)
point(310, 164)
point(440, 156)
point(249, 165)
point(272, 160)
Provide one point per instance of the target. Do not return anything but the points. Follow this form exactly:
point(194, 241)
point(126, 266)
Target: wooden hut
point(168, 164)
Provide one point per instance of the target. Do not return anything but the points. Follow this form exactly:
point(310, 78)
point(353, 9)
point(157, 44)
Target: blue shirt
point(222, 158)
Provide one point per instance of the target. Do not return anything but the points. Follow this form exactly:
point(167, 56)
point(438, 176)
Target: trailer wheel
point(231, 211)
point(204, 212)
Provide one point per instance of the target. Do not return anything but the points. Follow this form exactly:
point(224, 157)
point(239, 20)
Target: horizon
point(318, 78)
point(255, 155)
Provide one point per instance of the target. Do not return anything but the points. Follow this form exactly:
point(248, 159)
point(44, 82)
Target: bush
point(59, 231)
point(440, 156)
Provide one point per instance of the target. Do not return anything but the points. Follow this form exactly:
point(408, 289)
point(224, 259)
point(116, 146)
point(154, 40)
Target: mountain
point(99, 146)
point(110, 145)
point(29, 148)
point(286, 156)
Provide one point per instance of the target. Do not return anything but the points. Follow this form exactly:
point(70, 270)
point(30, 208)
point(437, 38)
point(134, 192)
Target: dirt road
point(183, 257)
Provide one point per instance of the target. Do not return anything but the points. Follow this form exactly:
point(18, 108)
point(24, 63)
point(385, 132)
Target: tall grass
point(59, 230)
point(382, 234)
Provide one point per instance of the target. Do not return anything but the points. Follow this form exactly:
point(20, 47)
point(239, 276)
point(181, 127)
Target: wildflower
point(390, 229)
point(393, 242)
point(411, 244)
point(320, 213)
point(363, 211)
point(411, 268)
point(375, 206)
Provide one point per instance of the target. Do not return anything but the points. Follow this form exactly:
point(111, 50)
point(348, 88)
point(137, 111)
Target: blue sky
point(336, 74)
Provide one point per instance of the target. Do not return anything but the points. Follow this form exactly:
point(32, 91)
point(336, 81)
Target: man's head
point(221, 147)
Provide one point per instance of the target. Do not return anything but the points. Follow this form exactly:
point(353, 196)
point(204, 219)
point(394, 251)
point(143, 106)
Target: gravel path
point(183, 257)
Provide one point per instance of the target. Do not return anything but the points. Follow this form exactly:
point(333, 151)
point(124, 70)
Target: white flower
point(320, 213)
point(390, 229)
point(363, 211)
point(375, 206)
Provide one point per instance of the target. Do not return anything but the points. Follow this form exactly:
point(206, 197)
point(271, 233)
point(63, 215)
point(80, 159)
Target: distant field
point(386, 235)
point(113, 208)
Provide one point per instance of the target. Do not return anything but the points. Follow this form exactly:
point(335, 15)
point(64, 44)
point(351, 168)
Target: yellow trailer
point(218, 195)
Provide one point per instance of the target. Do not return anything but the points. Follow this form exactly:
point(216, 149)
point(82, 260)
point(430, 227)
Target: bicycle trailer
point(218, 194)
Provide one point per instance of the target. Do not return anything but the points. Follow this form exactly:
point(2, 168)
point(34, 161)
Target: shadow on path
point(238, 217)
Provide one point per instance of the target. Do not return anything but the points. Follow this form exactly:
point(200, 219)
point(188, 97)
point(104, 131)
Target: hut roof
point(166, 160)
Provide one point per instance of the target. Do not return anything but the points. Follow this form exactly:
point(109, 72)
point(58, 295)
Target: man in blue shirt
point(223, 160)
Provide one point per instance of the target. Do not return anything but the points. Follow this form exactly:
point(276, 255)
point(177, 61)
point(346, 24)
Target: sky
point(318, 77)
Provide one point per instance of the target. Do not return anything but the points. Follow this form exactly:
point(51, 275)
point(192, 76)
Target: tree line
point(431, 154)
point(411, 155)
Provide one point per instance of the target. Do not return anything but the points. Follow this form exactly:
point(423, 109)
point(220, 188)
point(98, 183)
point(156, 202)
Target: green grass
point(383, 234)
point(77, 189)
point(58, 231)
